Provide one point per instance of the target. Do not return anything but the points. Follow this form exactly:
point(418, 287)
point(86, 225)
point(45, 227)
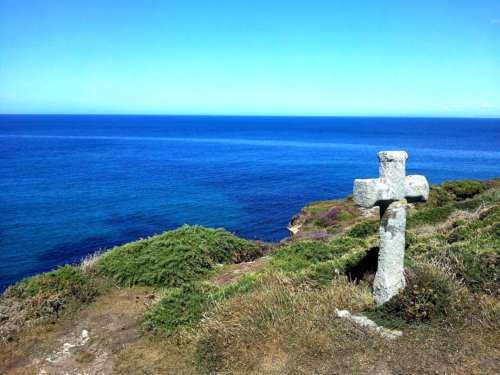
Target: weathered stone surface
point(390, 191)
point(369, 324)
point(392, 171)
point(416, 188)
point(389, 279)
point(374, 192)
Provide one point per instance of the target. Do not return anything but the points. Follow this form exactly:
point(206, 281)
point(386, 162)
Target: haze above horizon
point(316, 58)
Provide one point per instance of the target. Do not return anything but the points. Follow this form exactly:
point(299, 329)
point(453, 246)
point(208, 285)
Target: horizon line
point(249, 115)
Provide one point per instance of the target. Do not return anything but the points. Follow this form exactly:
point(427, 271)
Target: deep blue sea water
point(70, 185)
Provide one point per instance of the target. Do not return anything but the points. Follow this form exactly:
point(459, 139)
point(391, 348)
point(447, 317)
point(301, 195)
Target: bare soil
point(231, 272)
point(86, 342)
point(106, 337)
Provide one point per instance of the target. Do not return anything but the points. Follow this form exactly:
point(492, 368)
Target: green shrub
point(319, 262)
point(463, 189)
point(300, 255)
point(453, 191)
point(183, 307)
point(243, 284)
point(67, 280)
point(478, 266)
point(460, 233)
point(50, 293)
point(180, 307)
point(490, 215)
point(324, 272)
point(430, 294)
point(345, 215)
point(429, 216)
point(345, 244)
point(364, 229)
point(438, 196)
point(314, 208)
point(470, 248)
point(410, 239)
point(335, 213)
point(175, 257)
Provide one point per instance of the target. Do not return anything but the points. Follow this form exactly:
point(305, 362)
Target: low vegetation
point(281, 317)
point(179, 307)
point(322, 220)
point(176, 257)
point(66, 281)
point(277, 325)
point(44, 297)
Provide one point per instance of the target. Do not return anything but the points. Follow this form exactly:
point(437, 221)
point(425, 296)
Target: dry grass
point(243, 335)
point(89, 263)
point(155, 355)
point(445, 226)
point(286, 327)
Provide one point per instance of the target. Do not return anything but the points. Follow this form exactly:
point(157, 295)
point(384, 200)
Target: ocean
point(74, 184)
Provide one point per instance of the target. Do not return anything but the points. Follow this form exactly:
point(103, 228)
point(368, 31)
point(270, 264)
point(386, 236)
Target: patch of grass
point(463, 189)
point(85, 357)
point(426, 296)
point(44, 297)
point(332, 215)
point(319, 262)
point(429, 216)
point(154, 354)
point(183, 307)
point(176, 257)
point(324, 272)
point(180, 307)
point(336, 213)
point(345, 215)
point(301, 255)
point(477, 267)
point(431, 294)
point(470, 248)
point(315, 208)
point(243, 284)
point(438, 196)
point(364, 229)
point(456, 191)
point(237, 336)
point(65, 282)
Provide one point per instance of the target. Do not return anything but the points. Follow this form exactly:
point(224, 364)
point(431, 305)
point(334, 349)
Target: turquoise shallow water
point(70, 185)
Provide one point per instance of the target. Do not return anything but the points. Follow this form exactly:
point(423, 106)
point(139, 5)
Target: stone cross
point(391, 192)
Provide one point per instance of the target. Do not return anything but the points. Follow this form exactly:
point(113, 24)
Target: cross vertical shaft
point(389, 279)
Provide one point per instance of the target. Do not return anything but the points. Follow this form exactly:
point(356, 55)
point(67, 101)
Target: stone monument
point(391, 192)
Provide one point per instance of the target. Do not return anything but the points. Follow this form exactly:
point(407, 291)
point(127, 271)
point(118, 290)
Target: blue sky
point(423, 58)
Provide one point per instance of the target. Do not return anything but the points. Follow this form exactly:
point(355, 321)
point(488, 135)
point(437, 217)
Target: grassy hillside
point(280, 318)
point(173, 259)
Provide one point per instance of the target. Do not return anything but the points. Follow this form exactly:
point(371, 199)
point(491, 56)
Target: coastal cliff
point(197, 300)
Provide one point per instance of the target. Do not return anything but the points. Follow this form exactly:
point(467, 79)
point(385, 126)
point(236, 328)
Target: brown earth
point(115, 344)
point(231, 272)
point(113, 322)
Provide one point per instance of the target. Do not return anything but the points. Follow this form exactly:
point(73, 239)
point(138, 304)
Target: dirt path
point(231, 272)
point(86, 343)
point(106, 337)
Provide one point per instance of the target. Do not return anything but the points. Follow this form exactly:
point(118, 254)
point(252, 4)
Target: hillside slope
point(199, 300)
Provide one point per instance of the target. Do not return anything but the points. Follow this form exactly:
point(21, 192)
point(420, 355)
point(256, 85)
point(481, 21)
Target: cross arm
point(380, 192)
point(416, 188)
point(373, 192)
